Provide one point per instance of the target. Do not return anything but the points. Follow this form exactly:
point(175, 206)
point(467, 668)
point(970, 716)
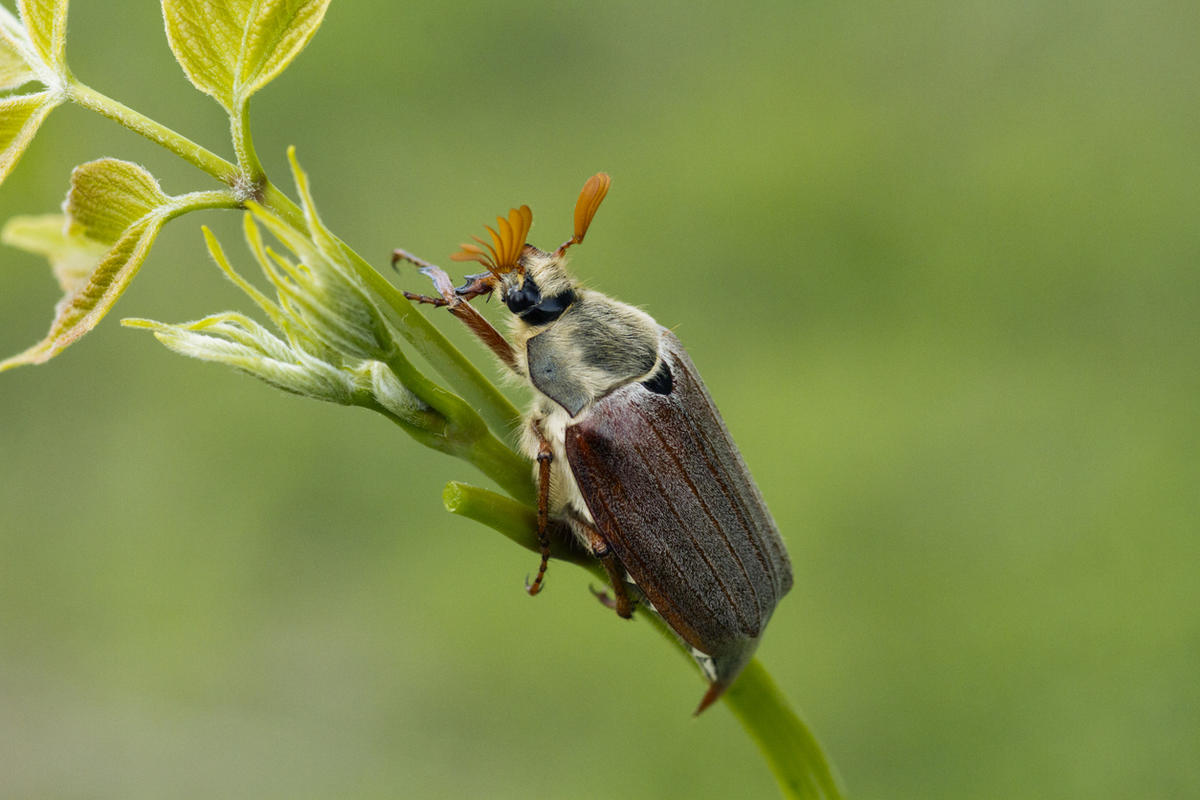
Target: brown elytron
point(670, 493)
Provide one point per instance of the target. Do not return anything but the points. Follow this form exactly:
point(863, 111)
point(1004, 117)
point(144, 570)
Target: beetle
point(630, 453)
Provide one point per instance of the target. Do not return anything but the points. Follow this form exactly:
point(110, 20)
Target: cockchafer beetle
point(630, 452)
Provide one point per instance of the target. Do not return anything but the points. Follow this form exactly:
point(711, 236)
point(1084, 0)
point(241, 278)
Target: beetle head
point(533, 283)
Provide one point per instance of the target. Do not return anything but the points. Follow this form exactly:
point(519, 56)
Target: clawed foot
point(604, 597)
point(475, 285)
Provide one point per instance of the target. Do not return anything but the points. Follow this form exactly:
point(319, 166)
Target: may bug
point(631, 454)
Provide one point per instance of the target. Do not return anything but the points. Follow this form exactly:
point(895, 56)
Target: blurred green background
point(939, 266)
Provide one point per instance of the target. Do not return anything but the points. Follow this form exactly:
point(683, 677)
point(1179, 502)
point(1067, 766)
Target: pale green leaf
point(72, 256)
point(232, 48)
point(117, 208)
point(14, 71)
point(109, 195)
point(20, 118)
point(239, 342)
point(80, 310)
point(46, 22)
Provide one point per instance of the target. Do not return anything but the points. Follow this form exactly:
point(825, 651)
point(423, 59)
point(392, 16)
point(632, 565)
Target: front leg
point(456, 302)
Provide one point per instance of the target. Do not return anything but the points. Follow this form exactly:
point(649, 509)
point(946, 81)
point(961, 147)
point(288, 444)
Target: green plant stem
point(500, 463)
point(516, 520)
point(464, 432)
point(791, 750)
point(182, 146)
point(197, 201)
point(243, 146)
point(484, 451)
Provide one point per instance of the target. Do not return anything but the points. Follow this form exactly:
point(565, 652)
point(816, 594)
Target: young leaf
point(14, 71)
point(119, 207)
point(46, 22)
point(232, 49)
point(20, 118)
point(72, 255)
point(109, 195)
point(80, 310)
point(239, 342)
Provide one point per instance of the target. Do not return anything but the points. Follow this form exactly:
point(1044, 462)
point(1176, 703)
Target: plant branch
point(791, 750)
point(196, 201)
point(516, 520)
point(243, 147)
point(465, 433)
point(182, 146)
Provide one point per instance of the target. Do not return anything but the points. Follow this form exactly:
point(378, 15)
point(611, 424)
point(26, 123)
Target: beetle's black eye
point(549, 309)
point(660, 382)
point(524, 298)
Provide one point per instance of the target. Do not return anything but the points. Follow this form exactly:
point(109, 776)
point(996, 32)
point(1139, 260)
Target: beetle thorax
point(594, 346)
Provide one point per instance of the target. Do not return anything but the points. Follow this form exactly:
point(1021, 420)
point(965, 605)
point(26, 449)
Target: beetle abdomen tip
point(711, 696)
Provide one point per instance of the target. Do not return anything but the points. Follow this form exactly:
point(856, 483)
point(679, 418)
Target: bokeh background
point(940, 266)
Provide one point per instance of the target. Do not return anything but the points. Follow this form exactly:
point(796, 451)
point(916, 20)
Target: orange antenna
point(590, 197)
point(502, 254)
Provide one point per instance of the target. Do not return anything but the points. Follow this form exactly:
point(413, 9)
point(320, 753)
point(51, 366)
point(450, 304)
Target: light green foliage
point(237, 341)
point(321, 290)
point(46, 23)
point(30, 49)
point(230, 50)
point(14, 70)
point(20, 118)
point(113, 205)
point(72, 255)
point(109, 196)
point(119, 206)
point(331, 331)
point(87, 302)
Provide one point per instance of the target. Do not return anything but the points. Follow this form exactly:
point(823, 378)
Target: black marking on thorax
point(661, 382)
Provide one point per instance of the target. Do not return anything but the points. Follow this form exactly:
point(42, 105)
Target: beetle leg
point(614, 604)
point(424, 298)
point(623, 602)
point(604, 597)
point(456, 301)
point(400, 254)
point(544, 458)
point(484, 330)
